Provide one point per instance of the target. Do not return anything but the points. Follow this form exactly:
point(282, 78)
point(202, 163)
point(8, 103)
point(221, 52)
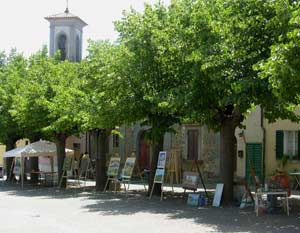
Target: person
point(279, 182)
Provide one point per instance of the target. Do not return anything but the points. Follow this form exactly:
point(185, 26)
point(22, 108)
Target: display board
point(159, 176)
point(162, 158)
point(190, 180)
point(113, 167)
point(218, 195)
point(128, 167)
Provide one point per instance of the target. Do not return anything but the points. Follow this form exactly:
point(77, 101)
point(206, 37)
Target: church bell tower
point(66, 35)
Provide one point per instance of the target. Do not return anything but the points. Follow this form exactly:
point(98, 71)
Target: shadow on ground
point(229, 219)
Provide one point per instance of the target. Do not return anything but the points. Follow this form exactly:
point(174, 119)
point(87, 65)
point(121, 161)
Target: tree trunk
point(61, 154)
point(156, 147)
point(10, 144)
point(102, 138)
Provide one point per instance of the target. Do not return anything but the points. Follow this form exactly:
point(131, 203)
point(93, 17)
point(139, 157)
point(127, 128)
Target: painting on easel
point(162, 158)
point(190, 180)
point(128, 167)
point(159, 176)
point(114, 165)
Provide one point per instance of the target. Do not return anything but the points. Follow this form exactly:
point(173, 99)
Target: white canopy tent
point(36, 149)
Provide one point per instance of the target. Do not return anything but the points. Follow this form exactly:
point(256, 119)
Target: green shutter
point(279, 144)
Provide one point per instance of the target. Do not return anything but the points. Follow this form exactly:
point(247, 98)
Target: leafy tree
point(12, 73)
point(47, 100)
point(153, 72)
point(226, 85)
point(100, 106)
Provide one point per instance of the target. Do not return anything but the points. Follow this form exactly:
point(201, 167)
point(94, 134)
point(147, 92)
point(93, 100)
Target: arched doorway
point(144, 152)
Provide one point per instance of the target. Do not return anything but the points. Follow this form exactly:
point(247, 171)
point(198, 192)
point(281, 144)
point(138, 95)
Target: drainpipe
point(264, 144)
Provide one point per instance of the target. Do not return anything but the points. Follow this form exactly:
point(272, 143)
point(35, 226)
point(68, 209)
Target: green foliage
point(12, 73)
point(47, 99)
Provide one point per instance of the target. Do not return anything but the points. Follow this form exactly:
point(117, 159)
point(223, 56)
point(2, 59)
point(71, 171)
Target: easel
point(67, 166)
point(84, 168)
point(246, 185)
point(112, 172)
point(173, 167)
point(200, 174)
point(160, 173)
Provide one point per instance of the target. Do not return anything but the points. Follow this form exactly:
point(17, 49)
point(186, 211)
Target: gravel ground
point(50, 210)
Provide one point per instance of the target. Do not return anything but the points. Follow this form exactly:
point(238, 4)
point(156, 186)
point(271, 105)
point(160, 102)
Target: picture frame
point(128, 167)
point(162, 158)
point(113, 167)
point(159, 176)
point(190, 180)
point(193, 199)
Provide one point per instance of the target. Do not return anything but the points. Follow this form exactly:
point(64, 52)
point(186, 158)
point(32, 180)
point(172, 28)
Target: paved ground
point(48, 210)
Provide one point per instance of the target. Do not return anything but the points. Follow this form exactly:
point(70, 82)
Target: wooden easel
point(246, 185)
point(173, 167)
point(114, 175)
point(196, 165)
point(67, 166)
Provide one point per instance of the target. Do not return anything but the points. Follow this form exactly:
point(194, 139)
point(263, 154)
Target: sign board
point(162, 158)
point(218, 195)
point(190, 180)
point(113, 167)
point(159, 176)
point(128, 167)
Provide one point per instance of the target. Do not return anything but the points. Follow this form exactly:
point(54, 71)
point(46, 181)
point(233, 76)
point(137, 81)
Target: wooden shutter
point(192, 144)
point(279, 144)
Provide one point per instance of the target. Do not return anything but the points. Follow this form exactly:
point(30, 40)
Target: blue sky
point(23, 25)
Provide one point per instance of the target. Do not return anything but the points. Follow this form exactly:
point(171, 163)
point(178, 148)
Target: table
point(297, 179)
point(259, 199)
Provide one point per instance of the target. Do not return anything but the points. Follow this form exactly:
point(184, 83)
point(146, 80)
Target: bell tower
point(66, 35)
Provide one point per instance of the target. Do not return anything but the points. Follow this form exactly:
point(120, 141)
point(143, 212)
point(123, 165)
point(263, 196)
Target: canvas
point(162, 158)
point(113, 167)
point(128, 167)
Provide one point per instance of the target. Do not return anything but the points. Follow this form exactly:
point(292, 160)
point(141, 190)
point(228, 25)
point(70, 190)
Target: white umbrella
point(36, 149)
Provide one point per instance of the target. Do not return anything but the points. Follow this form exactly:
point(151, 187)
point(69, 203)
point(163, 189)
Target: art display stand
point(196, 165)
point(173, 168)
point(67, 166)
point(112, 172)
point(160, 173)
point(84, 168)
point(127, 173)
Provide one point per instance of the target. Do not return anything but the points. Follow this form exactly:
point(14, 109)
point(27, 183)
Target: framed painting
point(162, 158)
point(113, 167)
point(159, 176)
point(128, 167)
point(190, 180)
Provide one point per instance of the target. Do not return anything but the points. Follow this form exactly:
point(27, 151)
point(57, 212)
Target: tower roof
point(65, 15)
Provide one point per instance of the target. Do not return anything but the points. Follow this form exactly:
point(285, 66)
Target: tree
point(100, 107)
point(225, 85)
point(12, 73)
point(47, 100)
point(154, 74)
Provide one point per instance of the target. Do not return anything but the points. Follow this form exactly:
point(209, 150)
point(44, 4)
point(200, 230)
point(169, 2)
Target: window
point(77, 49)
point(192, 141)
point(287, 143)
point(115, 140)
point(62, 46)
